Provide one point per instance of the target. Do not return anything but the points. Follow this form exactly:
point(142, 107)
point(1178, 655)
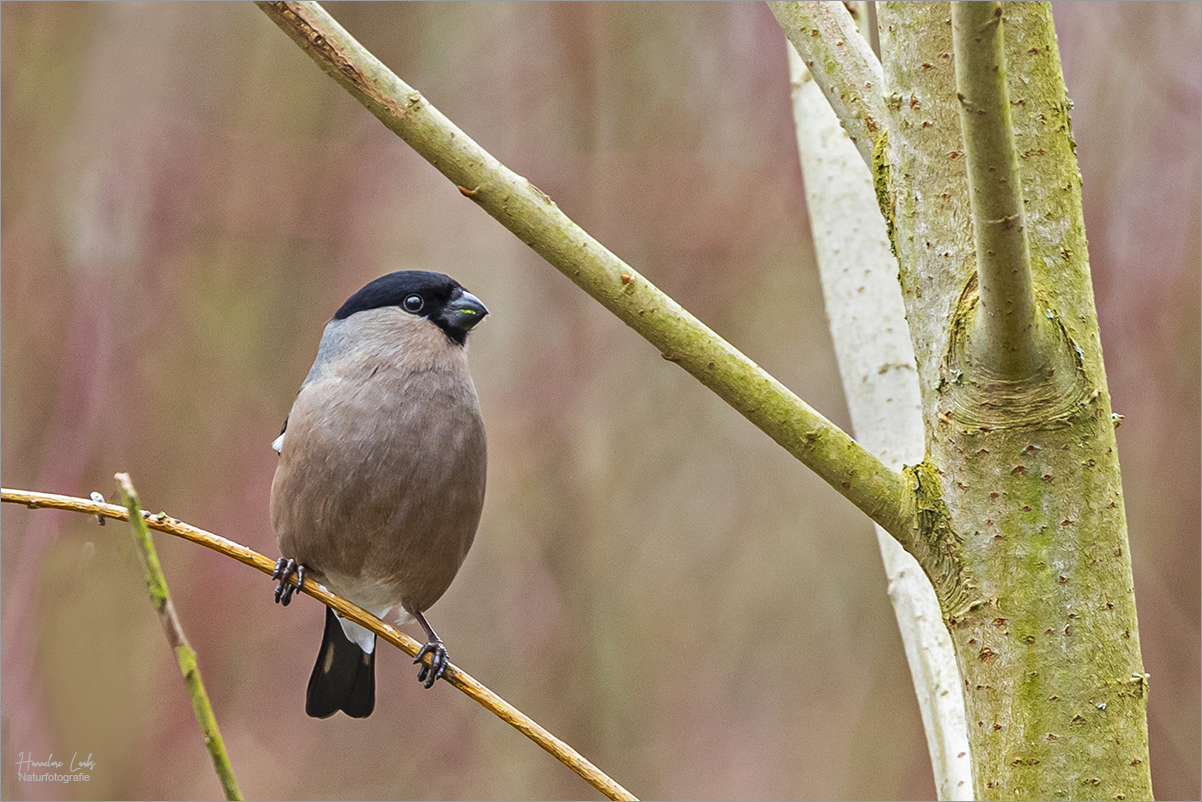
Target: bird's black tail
point(344, 677)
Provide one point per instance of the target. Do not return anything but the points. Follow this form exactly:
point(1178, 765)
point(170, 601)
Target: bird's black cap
point(434, 296)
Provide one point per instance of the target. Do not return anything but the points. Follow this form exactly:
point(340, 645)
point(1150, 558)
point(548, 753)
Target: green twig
point(842, 63)
point(156, 585)
point(1007, 326)
point(534, 218)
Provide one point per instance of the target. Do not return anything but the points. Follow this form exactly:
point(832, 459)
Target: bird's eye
point(413, 303)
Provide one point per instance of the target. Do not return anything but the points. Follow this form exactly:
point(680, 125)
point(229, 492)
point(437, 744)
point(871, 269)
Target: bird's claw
point(439, 659)
point(286, 569)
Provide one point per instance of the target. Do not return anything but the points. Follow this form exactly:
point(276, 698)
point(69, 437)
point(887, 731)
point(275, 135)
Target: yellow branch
point(457, 677)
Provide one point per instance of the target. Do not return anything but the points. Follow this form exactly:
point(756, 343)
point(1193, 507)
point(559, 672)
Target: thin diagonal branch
point(841, 62)
point(534, 218)
point(1006, 323)
point(156, 585)
point(454, 675)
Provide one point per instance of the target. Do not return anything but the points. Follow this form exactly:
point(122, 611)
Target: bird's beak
point(464, 311)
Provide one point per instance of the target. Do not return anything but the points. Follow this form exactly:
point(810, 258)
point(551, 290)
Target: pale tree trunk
point(876, 363)
point(1054, 685)
point(1020, 484)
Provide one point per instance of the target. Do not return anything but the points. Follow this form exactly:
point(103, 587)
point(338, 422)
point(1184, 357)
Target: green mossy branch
point(1009, 345)
point(160, 598)
point(535, 219)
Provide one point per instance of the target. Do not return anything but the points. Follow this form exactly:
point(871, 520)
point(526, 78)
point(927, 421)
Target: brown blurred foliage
point(186, 200)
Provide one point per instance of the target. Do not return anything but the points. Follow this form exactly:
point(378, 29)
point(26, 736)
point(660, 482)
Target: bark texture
point(876, 362)
point(1026, 471)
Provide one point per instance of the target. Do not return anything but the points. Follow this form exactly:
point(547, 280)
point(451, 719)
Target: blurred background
point(186, 199)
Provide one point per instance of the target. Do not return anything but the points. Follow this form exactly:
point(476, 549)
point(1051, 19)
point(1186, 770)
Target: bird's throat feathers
point(386, 337)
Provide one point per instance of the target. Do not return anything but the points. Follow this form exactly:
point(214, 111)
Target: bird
point(379, 487)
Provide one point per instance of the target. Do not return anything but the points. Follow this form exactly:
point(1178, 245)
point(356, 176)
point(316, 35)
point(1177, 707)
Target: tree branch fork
point(883, 494)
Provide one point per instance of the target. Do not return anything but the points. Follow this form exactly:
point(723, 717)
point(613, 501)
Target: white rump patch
point(278, 444)
point(362, 636)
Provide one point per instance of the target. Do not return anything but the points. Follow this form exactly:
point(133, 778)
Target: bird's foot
point(438, 662)
point(286, 569)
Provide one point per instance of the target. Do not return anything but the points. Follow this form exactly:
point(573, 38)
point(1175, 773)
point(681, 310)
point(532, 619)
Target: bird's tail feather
point(344, 677)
